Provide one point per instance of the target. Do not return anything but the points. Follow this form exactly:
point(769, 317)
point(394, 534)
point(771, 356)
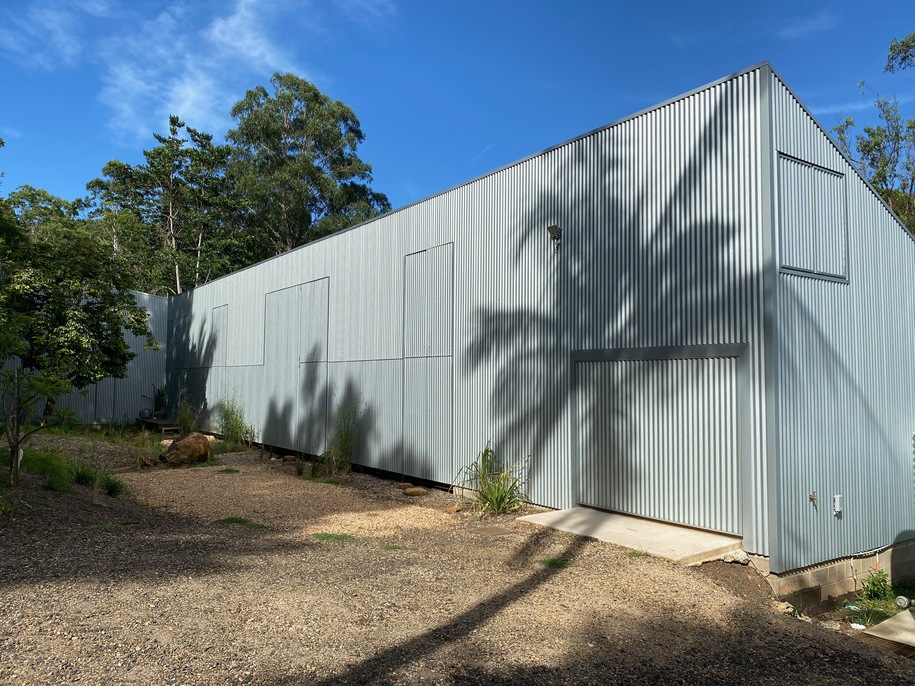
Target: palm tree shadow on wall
point(307, 422)
point(661, 266)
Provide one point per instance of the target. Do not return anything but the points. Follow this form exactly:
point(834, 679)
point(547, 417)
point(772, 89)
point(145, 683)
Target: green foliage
point(9, 507)
point(499, 487)
point(187, 415)
point(221, 447)
point(876, 586)
point(83, 474)
point(110, 484)
point(885, 153)
point(901, 54)
point(555, 563)
point(636, 554)
point(334, 538)
point(240, 521)
point(51, 465)
point(394, 546)
point(875, 601)
point(338, 458)
point(159, 399)
point(295, 165)
point(231, 425)
point(65, 303)
point(169, 213)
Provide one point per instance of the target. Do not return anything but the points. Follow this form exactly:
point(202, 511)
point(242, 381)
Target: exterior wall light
point(555, 235)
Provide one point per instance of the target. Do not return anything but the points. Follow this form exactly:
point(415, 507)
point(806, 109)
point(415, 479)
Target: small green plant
point(875, 600)
point(636, 554)
point(82, 473)
point(394, 546)
point(230, 420)
point(110, 484)
point(159, 400)
point(187, 415)
point(228, 470)
point(500, 488)
point(876, 586)
point(555, 563)
point(240, 521)
point(338, 458)
point(8, 507)
point(335, 538)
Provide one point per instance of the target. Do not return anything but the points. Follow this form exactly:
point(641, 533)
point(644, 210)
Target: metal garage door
point(658, 439)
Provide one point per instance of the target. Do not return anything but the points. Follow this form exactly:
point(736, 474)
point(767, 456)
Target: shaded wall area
point(846, 374)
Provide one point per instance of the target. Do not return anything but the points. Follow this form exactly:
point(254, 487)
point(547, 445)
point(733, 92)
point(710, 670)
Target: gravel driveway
point(149, 590)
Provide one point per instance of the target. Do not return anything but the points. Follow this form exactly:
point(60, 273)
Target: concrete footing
point(816, 587)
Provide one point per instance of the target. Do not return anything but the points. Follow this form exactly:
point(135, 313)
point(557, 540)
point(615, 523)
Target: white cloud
point(799, 27)
point(170, 65)
point(241, 35)
point(187, 59)
point(46, 34)
point(368, 11)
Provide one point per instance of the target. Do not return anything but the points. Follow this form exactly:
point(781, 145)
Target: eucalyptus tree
point(295, 165)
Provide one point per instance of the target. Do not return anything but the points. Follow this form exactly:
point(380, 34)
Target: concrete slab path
point(898, 628)
point(679, 544)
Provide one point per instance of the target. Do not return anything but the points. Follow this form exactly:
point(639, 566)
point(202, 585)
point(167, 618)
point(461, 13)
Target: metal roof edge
point(845, 157)
point(605, 127)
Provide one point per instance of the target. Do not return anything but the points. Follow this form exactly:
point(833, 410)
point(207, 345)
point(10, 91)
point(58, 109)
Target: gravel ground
point(150, 590)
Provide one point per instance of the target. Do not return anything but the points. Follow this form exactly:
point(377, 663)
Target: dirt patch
point(742, 580)
point(357, 583)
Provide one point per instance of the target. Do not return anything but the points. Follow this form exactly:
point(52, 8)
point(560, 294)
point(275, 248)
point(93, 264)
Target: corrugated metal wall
point(120, 400)
point(661, 218)
point(659, 439)
point(846, 376)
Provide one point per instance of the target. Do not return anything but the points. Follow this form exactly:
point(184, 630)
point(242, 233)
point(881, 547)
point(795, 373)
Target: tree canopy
point(294, 164)
point(66, 305)
point(885, 152)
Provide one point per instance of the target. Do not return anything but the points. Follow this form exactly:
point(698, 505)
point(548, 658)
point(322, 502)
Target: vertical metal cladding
point(845, 373)
point(659, 439)
point(454, 320)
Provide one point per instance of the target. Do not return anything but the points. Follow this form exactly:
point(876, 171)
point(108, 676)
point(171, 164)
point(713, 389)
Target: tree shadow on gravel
point(66, 536)
point(750, 645)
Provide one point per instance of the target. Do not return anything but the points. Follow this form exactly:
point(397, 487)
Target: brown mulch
point(151, 590)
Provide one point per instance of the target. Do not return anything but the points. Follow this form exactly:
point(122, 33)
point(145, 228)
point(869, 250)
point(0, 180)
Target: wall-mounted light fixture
point(555, 235)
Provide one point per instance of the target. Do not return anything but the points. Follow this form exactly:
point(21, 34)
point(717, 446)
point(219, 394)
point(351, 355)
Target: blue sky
point(446, 91)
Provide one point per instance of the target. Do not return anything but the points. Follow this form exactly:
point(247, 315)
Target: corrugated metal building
point(722, 330)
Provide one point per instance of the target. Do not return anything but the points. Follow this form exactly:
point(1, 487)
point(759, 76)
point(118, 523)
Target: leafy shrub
point(499, 488)
point(231, 424)
point(876, 586)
